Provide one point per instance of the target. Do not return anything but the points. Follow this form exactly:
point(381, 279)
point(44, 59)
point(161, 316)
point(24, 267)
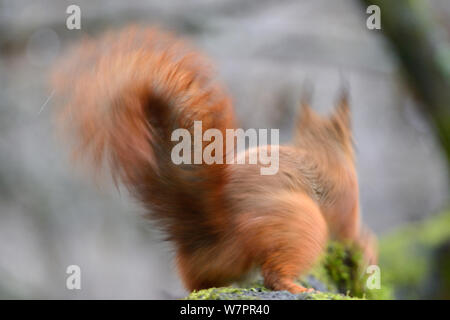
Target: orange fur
point(124, 95)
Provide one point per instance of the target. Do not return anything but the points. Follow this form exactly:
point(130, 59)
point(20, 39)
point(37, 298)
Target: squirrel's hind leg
point(287, 240)
point(213, 266)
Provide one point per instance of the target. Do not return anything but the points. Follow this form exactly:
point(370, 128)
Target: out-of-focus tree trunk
point(425, 58)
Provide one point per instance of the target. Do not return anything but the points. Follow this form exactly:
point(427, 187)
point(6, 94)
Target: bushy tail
point(124, 94)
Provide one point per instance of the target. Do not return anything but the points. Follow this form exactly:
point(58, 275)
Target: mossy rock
point(258, 293)
point(338, 276)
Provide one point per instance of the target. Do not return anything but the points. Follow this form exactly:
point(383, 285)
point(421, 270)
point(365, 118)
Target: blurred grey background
point(52, 215)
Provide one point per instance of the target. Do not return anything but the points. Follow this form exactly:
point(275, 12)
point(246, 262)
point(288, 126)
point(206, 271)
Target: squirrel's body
point(125, 94)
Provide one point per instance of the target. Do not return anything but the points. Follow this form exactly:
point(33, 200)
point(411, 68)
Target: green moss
point(343, 264)
point(329, 296)
point(225, 293)
point(342, 270)
point(230, 293)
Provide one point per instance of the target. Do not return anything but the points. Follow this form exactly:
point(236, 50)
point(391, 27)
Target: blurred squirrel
point(124, 94)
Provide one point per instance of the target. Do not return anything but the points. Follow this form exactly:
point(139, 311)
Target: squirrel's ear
point(342, 112)
point(303, 121)
point(305, 112)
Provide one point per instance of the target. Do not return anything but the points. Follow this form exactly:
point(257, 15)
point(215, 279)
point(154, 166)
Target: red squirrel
point(123, 94)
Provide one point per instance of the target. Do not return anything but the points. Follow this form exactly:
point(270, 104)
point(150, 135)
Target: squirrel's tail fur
point(124, 94)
